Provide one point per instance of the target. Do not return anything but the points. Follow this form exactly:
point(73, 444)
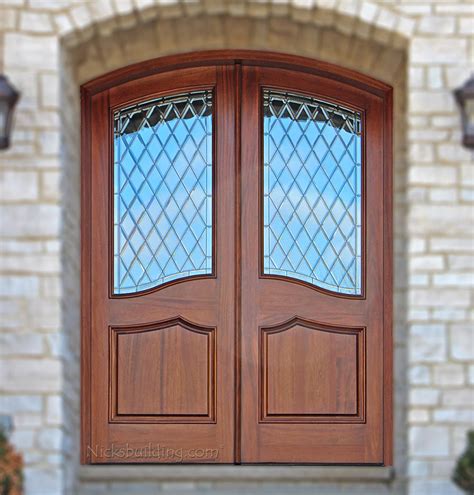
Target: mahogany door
point(236, 263)
point(313, 286)
point(160, 291)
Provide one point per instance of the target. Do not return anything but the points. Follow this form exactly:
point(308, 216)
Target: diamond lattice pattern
point(312, 191)
point(162, 191)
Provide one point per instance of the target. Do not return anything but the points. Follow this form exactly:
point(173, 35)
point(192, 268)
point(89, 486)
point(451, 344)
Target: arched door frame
point(239, 57)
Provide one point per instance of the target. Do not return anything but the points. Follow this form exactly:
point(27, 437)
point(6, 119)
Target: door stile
point(238, 261)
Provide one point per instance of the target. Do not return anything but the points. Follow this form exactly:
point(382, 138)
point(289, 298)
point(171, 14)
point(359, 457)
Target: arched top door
point(236, 298)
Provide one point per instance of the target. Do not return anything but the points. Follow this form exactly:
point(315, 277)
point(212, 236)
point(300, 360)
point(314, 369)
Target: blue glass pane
point(162, 191)
point(312, 191)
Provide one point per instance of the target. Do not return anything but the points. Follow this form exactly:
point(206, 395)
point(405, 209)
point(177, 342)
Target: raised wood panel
point(163, 372)
point(311, 372)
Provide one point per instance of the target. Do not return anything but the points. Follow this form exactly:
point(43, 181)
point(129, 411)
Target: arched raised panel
point(312, 191)
point(163, 372)
point(312, 372)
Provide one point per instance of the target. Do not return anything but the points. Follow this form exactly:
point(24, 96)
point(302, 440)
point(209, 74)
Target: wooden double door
point(236, 289)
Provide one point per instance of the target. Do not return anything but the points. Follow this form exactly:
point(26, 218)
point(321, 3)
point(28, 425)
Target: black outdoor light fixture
point(465, 98)
point(8, 98)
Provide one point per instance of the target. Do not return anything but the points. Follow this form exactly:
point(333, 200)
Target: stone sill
point(236, 473)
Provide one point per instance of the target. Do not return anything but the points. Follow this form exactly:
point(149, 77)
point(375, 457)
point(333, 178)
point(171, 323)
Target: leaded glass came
point(162, 191)
point(312, 191)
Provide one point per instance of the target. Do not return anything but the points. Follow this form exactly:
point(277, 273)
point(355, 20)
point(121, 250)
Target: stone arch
point(356, 35)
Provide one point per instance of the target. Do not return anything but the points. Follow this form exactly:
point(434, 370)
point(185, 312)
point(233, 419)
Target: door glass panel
point(312, 191)
point(162, 191)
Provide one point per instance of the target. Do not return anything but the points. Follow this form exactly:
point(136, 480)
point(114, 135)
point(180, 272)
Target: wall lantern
point(465, 98)
point(8, 98)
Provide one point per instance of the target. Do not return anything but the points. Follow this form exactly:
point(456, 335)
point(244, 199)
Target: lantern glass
point(465, 98)
point(3, 120)
point(469, 115)
point(8, 99)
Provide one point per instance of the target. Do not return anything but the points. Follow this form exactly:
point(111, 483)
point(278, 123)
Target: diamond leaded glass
point(162, 191)
point(312, 191)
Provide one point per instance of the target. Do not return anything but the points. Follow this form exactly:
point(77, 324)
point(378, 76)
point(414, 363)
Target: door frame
point(236, 58)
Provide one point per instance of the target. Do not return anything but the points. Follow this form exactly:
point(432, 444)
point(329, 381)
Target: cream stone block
point(81, 15)
point(441, 219)
point(452, 244)
point(467, 174)
point(438, 50)
point(35, 263)
point(49, 142)
point(445, 195)
point(49, 4)
point(30, 52)
point(43, 480)
point(417, 468)
point(419, 375)
point(421, 152)
point(454, 416)
point(63, 23)
point(50, 189)
point(18, 286)
point(427, 343)
point(465, 279)
point(457, 298)
point(18, 186)
point(435, 486)
point(437, 24)
point(50, 438)
point(462, 342)
point(430, 441)
point(424, 396)
point(466, 25)
point(433, 101)
point(30, 375)
point(416, 76)
point(426, 263)
point(449, 314)
point(23, 438)
point(13, 404)
point(418, 416)
point(32, 220)
point(471, 374)
point(8, 19)
point(35, 22)
point(54, 410)
point(454, 153)
point(458, 397)
point(49, 90)
point(448, 374)
point(19, 344)
point(461, 262)
point(434, 175)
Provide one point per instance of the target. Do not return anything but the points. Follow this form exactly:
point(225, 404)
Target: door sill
point(227, 472)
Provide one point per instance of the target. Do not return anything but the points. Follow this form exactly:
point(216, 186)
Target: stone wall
point(424, 48)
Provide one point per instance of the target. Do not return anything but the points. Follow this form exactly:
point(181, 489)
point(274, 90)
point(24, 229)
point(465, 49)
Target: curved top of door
point(245, 57)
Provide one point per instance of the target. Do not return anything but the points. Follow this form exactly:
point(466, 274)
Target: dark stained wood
point(202, 303)
point(388, 275)
point(312, 372)
point(268, 301)
point(179, 357)
point(238, 266)
point(85, 273)
point(229, 57)
point(268, 382)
